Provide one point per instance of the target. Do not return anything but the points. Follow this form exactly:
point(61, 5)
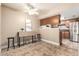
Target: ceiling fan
point(31, 9)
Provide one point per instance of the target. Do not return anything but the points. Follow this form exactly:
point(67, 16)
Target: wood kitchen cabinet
point(65, 34)
point(44, 22)
point(54, 20)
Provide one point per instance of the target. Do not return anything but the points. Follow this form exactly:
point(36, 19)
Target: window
point(28, 25)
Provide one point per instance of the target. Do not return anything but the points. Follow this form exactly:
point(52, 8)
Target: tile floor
point(41, 49)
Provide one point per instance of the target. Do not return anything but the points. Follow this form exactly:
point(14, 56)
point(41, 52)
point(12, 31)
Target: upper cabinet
point(53, 20)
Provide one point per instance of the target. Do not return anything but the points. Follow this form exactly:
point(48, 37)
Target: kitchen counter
point(50, 35)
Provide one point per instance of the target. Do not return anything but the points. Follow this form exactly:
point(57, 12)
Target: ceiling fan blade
point(30, 6)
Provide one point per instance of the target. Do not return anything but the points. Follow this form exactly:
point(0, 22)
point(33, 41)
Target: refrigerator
point(74, 32)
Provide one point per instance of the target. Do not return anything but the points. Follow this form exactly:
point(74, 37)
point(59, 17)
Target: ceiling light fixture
point(31, 9)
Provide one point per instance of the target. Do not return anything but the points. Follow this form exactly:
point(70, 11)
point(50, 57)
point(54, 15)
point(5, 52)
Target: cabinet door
point(44, 22)
point(65, 35)
point(54, 20)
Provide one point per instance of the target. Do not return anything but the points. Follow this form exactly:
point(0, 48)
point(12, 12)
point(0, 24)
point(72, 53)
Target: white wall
point(67, 10)
point(68, 14)
point(0, 27)
point(12, 21)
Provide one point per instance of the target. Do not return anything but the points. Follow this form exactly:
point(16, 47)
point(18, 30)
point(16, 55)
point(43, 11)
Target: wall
point(50, 35)
point(12, 21)
point(70, 13)
point(66, 10)
point(0, 27)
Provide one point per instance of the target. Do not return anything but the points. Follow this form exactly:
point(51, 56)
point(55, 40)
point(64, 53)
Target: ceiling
point(48, 9)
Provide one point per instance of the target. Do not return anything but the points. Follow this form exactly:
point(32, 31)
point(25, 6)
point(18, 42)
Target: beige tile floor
point(70, 44)
point(41, 49)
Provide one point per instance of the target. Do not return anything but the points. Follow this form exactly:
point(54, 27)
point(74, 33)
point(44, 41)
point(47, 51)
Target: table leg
point(23, 41)
point(19, 42)
point(13, 43)
point(8, 45)
point(32, 38)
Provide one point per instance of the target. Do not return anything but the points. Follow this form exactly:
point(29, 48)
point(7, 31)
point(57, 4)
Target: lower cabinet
point(66, 34)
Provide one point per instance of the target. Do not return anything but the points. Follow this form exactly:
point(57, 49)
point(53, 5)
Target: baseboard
point(51, 42)
point(5, 46)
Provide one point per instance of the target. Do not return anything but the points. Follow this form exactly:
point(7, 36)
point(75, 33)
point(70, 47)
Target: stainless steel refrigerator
point(74, 31)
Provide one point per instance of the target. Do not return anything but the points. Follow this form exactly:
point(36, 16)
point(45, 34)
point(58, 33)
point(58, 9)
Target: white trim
point(5, 46)
point(2, 47)
point(50, 42)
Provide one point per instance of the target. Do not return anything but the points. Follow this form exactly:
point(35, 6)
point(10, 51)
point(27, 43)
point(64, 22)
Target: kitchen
point(55, 26)
point(66, 28)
